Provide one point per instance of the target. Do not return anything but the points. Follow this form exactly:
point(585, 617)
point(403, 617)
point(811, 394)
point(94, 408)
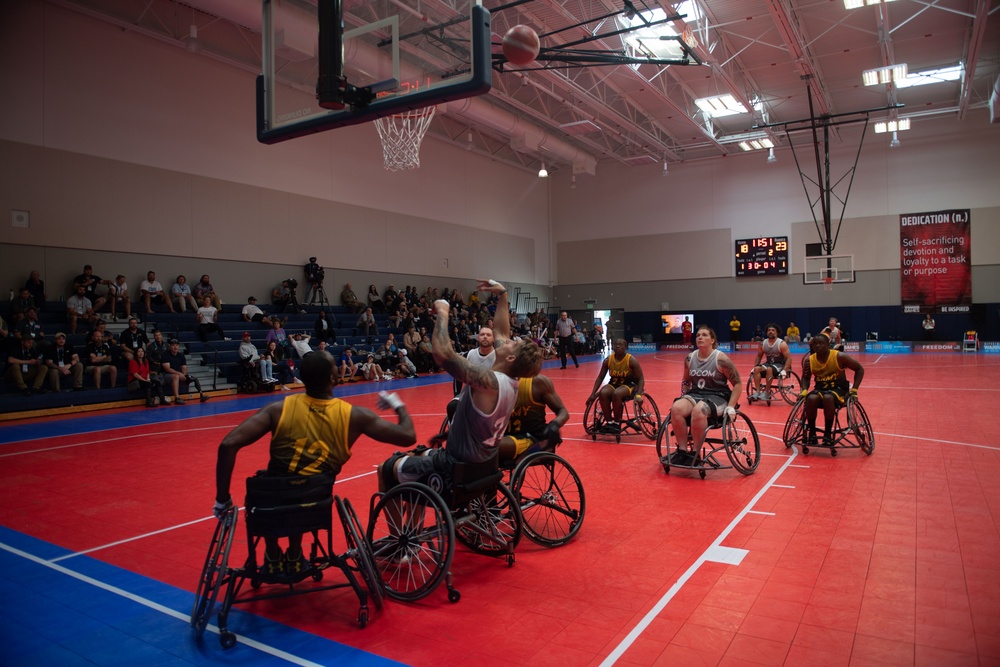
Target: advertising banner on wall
point(935, 261)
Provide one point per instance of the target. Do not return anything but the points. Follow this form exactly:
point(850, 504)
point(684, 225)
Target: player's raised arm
point(446, 357)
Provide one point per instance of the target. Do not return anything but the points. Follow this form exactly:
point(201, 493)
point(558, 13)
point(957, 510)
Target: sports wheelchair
point(855, 433)
point(412, 527)
point(786, 388)
point(646, 420)
point(738, 438)
point(279, 507)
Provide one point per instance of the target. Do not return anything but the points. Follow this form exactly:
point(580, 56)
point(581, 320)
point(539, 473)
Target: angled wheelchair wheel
point(742, 443)
point(648, 417)
point(593, 419)
point(663, 442)
point(551, 498)
point(215, 572)
point(413, 540)
point(860, 426)
point(795, 425)
point(359, 554)
point(789, 388)
point(491, 524)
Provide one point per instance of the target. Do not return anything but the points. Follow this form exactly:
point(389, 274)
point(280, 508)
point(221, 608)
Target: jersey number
point(318, 451)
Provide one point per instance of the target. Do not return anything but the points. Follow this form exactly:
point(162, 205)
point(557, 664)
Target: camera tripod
point(318, 295)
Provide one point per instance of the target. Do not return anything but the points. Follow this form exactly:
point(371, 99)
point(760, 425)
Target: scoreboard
point(762, 256)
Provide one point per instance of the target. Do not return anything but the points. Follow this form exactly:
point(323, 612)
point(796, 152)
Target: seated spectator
point(119, 298)
point(283, 298)
point(140, 379)
point(63, 362)
point(347, 366)
point(390, 297)
point(208, 321)
point(410, 341)
point(132, 340)
point(350, 299)
point(367, 323)
point(323, 329)
point(252, 313)
point(90, 283)
point(151, 291)
point(385, 357)
point(300, 343)
point(375, 302)
point(204, 288)
point(4, 330)
point(405, 367)
point(270, 363)
point(284, 366)
point(79, 307)
point(36, 288)
point(426, 363)
point(20, 305)
point(30, 327)
point(277, 335)
point(175, 369)
point(99, 360)
point(182, 296)
point(250, 358)
point(155, 351)
point(579, 340)
point(25, 367)
point(371, 370)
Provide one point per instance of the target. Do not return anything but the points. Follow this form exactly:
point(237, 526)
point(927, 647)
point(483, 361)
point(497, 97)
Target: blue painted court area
point(80, 611)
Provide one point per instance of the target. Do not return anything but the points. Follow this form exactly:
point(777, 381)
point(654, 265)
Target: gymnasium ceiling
point(771, 56)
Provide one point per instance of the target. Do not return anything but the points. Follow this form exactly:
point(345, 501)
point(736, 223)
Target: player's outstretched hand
point(388, 400)
point(490, 285)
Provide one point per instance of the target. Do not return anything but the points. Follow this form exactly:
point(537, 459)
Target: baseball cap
point(60, 334)
point(251, 298)
point(246, 334)
point(312, 259)
point(403, 352)
point(173, 341)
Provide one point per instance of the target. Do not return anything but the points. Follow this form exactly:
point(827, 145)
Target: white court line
point(132, 436)
point(764, 513)
point(877, 359)
point(704, 557)
point(155, 606)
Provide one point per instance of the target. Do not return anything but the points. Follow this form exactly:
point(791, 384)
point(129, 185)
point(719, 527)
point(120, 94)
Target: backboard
point(383, 57)
point(828, 269)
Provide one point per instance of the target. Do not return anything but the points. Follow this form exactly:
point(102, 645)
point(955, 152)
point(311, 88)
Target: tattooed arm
point(728, 369)
point(446, 357)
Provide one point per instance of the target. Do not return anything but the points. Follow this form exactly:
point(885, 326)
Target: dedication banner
point(935, 261)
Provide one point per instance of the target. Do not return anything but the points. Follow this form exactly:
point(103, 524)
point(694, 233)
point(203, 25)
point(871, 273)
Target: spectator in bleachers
point(250, 358)
point(4, 331)
point(30, 327)
point(36, 288)
point(397, 315)
point(155, 350)
point(175, 369)
point(367, 323)
point(63, 362)
point(119, 298)
point(79, 307)
point(315, 274)
point(323, 329)
point(347, 366)
point(405, 367)
point(24, 365)
point(371, 369)
point(374, 300)
point(208, 321)
point(425, 359)
point(385, 356)
point(132, 339)
point(277, 335)
point(350, 299)
point(270, 362)
point(253, 313)
point(140, 379)
point(90, 284)
point(182, 296)
point(99, 360)
point(204, 288)
point(300, 343)
point(283, 298)
point(20, 305)
point(410, 341)
point(389, 297)
point(151, 291)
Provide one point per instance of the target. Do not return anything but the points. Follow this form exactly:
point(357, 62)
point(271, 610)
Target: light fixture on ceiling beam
point(771, 158)
point(191, 41)
point(893, 126)
point(756, 144)
point(895, 141)
point(666, 167)
point(854, 4)
point(572, 182)
point(883, 75)
point(543, 172)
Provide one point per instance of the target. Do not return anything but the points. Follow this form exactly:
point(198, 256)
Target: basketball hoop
point(401, 135)
point(828, 284)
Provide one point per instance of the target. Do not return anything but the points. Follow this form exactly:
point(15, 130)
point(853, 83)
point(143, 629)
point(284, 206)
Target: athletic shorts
point(839, 393)
point(718, 403)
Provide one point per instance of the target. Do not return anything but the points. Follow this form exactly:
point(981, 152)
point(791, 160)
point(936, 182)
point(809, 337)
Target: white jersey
point(476, 358)
point(473, 436)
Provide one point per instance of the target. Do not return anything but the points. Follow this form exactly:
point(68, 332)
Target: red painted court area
point(883, 560)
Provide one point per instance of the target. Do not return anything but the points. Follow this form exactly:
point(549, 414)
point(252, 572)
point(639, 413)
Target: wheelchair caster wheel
point(666, 470)
point(593, 436)
point(805, 450)
point(227, 639)
point(833, 452)
point(701, 473)
point(363, 618)
point(454, 595)
point(769, 403)
point(255, 583)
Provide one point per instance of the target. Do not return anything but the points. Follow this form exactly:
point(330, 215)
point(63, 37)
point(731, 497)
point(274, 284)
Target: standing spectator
point(734, 329)
point(99, 359)
point(253, 313)
point(36, 288)
point(367, 323)
point(565, 328)
point(182, 296)
point(175, 369)
point(133, 339)
point(928, 325)
point(314, 279)
point(208, 321)
point(151, 291)
point(24, 366)
point(204, 288)
point(323, 329)
point(350, 299)
point(79, 307)
point(374, 300)
point(686, 330)
point(118, 295)
point(63, 361)
point(140, 379)
point(20, 305)
point(90, 283)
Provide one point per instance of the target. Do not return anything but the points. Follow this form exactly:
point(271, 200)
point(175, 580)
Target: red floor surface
point(883, 560)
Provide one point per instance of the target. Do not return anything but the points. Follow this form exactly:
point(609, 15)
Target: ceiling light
point(666, 168)
point(889, 73)
point(892, 125)
point(720, 105)
point(191, 41)
point(543, 172)
point(756, 144)
point(895, 141)
point(929, 76)
point(572, 182)
point(771, 159)
point(854, 4)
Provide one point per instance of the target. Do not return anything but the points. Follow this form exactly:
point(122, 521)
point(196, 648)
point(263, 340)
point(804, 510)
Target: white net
point(401, 135)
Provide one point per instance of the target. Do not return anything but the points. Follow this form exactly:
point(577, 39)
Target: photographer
point(283, 296)
point(314, 277)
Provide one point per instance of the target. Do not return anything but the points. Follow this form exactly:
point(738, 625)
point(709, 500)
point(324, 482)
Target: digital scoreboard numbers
point(762, 256)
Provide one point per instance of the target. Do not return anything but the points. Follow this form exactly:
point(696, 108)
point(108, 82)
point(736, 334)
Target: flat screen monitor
point(672, 322)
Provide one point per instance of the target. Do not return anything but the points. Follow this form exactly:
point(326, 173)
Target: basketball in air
point(521, 45)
